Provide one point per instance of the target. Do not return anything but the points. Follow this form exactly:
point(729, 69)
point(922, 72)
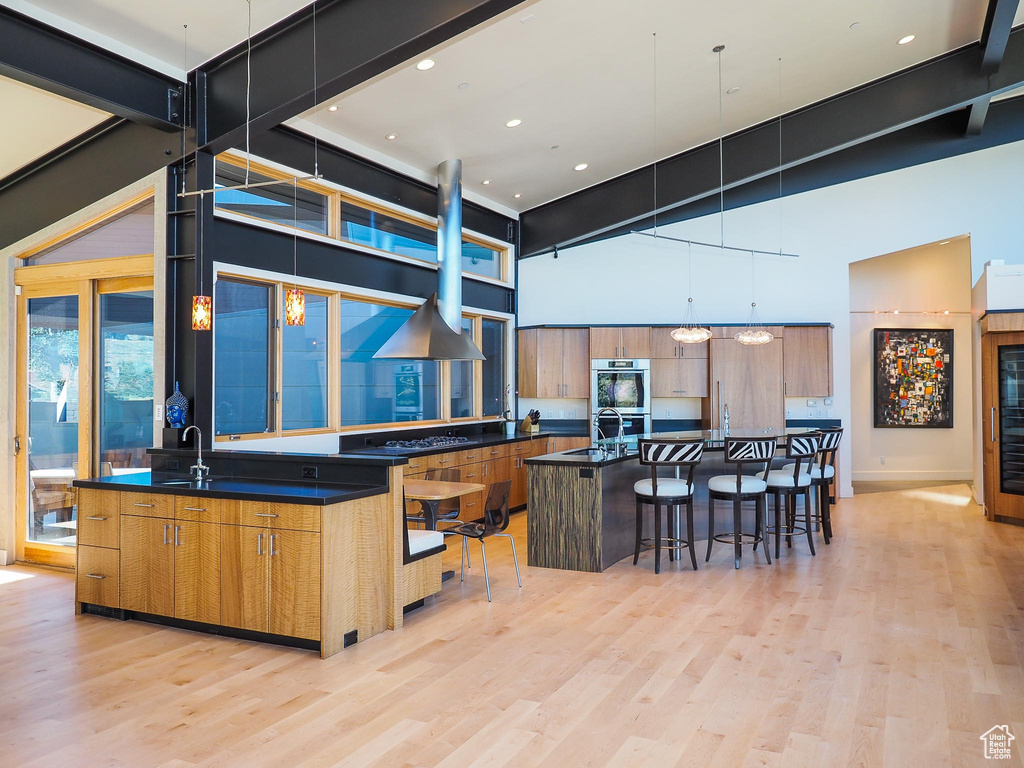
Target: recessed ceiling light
point(581, 167)
point(734, 89)
point(516, 195)
point(463, 86)
point(946, 312)
point(513, 122)
point(332, 108)
point(906, 39)
point(486, 181)
point(527, 19)
point(424, 65)
point(391, 136)
point(554, 146)
point(855, 25)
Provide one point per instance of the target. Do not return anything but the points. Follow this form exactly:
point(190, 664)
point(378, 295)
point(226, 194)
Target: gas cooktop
point(426, 444)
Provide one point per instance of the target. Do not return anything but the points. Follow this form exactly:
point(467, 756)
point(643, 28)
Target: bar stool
point(670, 492)
point(788, 483)
point(823, 473)
point(739, 488)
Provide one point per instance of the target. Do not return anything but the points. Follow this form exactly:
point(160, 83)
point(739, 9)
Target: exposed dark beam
point(976, 114)
point(996, 32)
point(86, 169)
point(947, 83)
point(45, 57)
point(356, 40)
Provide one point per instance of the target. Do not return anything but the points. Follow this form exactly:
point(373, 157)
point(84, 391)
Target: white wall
point(637, 280)
point(919, 282)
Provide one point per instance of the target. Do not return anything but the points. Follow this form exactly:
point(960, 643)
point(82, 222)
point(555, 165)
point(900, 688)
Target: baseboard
point(899, 475)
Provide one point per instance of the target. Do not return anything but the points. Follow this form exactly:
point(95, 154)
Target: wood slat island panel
point(565, 518)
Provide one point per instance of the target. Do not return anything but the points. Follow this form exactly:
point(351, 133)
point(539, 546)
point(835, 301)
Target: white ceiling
point(150, 31)
point(580, 75)
point(43, 123)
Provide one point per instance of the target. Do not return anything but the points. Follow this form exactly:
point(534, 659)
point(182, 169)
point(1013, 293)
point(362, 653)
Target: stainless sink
point(190, 483)
point(587, 452)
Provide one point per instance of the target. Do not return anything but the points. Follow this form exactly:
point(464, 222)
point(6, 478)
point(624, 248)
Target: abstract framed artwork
point(913, 377)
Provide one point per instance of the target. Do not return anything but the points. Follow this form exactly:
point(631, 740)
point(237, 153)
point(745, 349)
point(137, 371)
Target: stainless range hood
point(434, 332)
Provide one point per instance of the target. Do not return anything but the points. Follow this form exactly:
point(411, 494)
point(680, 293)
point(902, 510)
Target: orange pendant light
point(294, 307)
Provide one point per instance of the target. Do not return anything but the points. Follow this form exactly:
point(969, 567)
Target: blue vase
point(177, 408)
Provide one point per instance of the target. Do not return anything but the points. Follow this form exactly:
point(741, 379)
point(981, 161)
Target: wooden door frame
point(86, 280)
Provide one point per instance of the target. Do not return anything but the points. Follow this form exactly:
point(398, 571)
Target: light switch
point(827, 401)
point(158, 412)
point(812, 403)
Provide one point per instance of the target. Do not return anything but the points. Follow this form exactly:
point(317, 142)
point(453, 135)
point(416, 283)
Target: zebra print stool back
point(803, 448)
point(675, 452)
point(744, 450)
point(830, 439)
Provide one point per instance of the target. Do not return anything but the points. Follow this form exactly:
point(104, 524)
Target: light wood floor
point(898, 645)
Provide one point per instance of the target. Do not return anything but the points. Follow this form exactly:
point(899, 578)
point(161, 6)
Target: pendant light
point(754, 333)
point(202, 305)
point(690, 331)
point(295, 299)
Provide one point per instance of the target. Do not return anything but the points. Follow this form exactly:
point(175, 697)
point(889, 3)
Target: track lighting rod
point(251, 185)
point(715, 245)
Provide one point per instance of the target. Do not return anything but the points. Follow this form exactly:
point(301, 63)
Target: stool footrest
point(680, 543)
point(730, 538)
point(784, 531)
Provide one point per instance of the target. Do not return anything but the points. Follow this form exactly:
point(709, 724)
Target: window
point(463, 396)
point(281, 203)
point(243, 370)
point(494, 367)
point(127, 234)
point(382, 391)
point(304, 370)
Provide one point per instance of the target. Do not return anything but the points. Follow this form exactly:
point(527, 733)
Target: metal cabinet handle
point(272, 552)
point(195, 509)
point(473, 475)
point(444, 461)
point(177, 528)
point(95, 517)
point(992, 424)
point(259, 544)
point(265, 514)
point(785, 388)
point(137, 504)
point(166, 526)
point(95, 576)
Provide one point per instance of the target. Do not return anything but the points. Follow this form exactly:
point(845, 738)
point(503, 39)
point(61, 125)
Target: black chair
point(788, 483)
point(739, 488)
point(418, 544)
point(496, 519)
point(670, 492)
point(823, 474)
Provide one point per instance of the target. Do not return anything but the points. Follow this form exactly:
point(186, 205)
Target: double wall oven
point(624, 385)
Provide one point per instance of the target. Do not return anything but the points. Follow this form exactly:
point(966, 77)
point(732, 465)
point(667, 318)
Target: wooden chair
point(496, 520)
point(739, 488)
point(788, 483)
point(669, 492)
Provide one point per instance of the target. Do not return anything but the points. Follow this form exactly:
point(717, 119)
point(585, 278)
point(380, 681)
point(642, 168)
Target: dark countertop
point(244, 489)
point(355, 458)
point(477, 441)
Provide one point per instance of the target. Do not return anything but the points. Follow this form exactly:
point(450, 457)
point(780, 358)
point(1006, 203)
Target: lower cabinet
point(270, 581)
point(97, 577)
point(197, 571)
point(147, 564)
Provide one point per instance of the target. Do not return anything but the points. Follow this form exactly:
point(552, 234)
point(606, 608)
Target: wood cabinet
point(664, 346)
point(100, 526)
point(97, 576)
point(749, 379)
point(197, 571)
point(554, 362)
point(147, 564)
point(1002, 408)
point(679, 377)
point(294, 588)
point(244, 578)
point(807, 356)
point(620, 342)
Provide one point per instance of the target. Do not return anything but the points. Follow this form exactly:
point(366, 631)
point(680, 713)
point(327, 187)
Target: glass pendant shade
point(294, 307)
point(202, 313)
point(690, 331)
point(754, 333)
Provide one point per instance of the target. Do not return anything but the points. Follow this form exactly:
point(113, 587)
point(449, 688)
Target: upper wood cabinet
point(665, 347)
point(749, 380)
point(554, 362)
point(807, 354)
point(620, 342)
point(679, 377)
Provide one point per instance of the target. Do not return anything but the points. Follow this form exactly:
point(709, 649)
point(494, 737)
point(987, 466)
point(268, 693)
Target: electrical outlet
point(668, 413)
point(789, 413)
point(551, 414)
point(812, 403)
point(827, 401)
point(561, 414)
point(309, 473)
point(158, 412)
point(882, 460)
point(572, 414)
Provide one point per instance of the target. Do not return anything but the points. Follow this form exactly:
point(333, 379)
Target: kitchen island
point(583, 509)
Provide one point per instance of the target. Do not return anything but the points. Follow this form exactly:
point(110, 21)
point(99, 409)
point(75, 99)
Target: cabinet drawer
point(147, 504)
point(479, 472)
point(204, 510)
point(492, 452)
point(294, 517)
point(470, 456)
point(443, 460)
point(416, 464)
point(98, 518)
point(522, 448)
point(97, 576)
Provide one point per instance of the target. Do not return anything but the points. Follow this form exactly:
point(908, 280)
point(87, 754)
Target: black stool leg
point(670, 520)
point(736, 514)
point(762, 514)
point(639, 529)
point(689, 532)
point(807, 518)
point(657, 537)
point(757, 524)
point(778, 526)
point(711, 526)
point(826, 513)
point(790, 518)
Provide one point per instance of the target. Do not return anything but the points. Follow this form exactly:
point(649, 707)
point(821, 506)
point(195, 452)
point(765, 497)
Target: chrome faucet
point(597, 423)
point(199, 468)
